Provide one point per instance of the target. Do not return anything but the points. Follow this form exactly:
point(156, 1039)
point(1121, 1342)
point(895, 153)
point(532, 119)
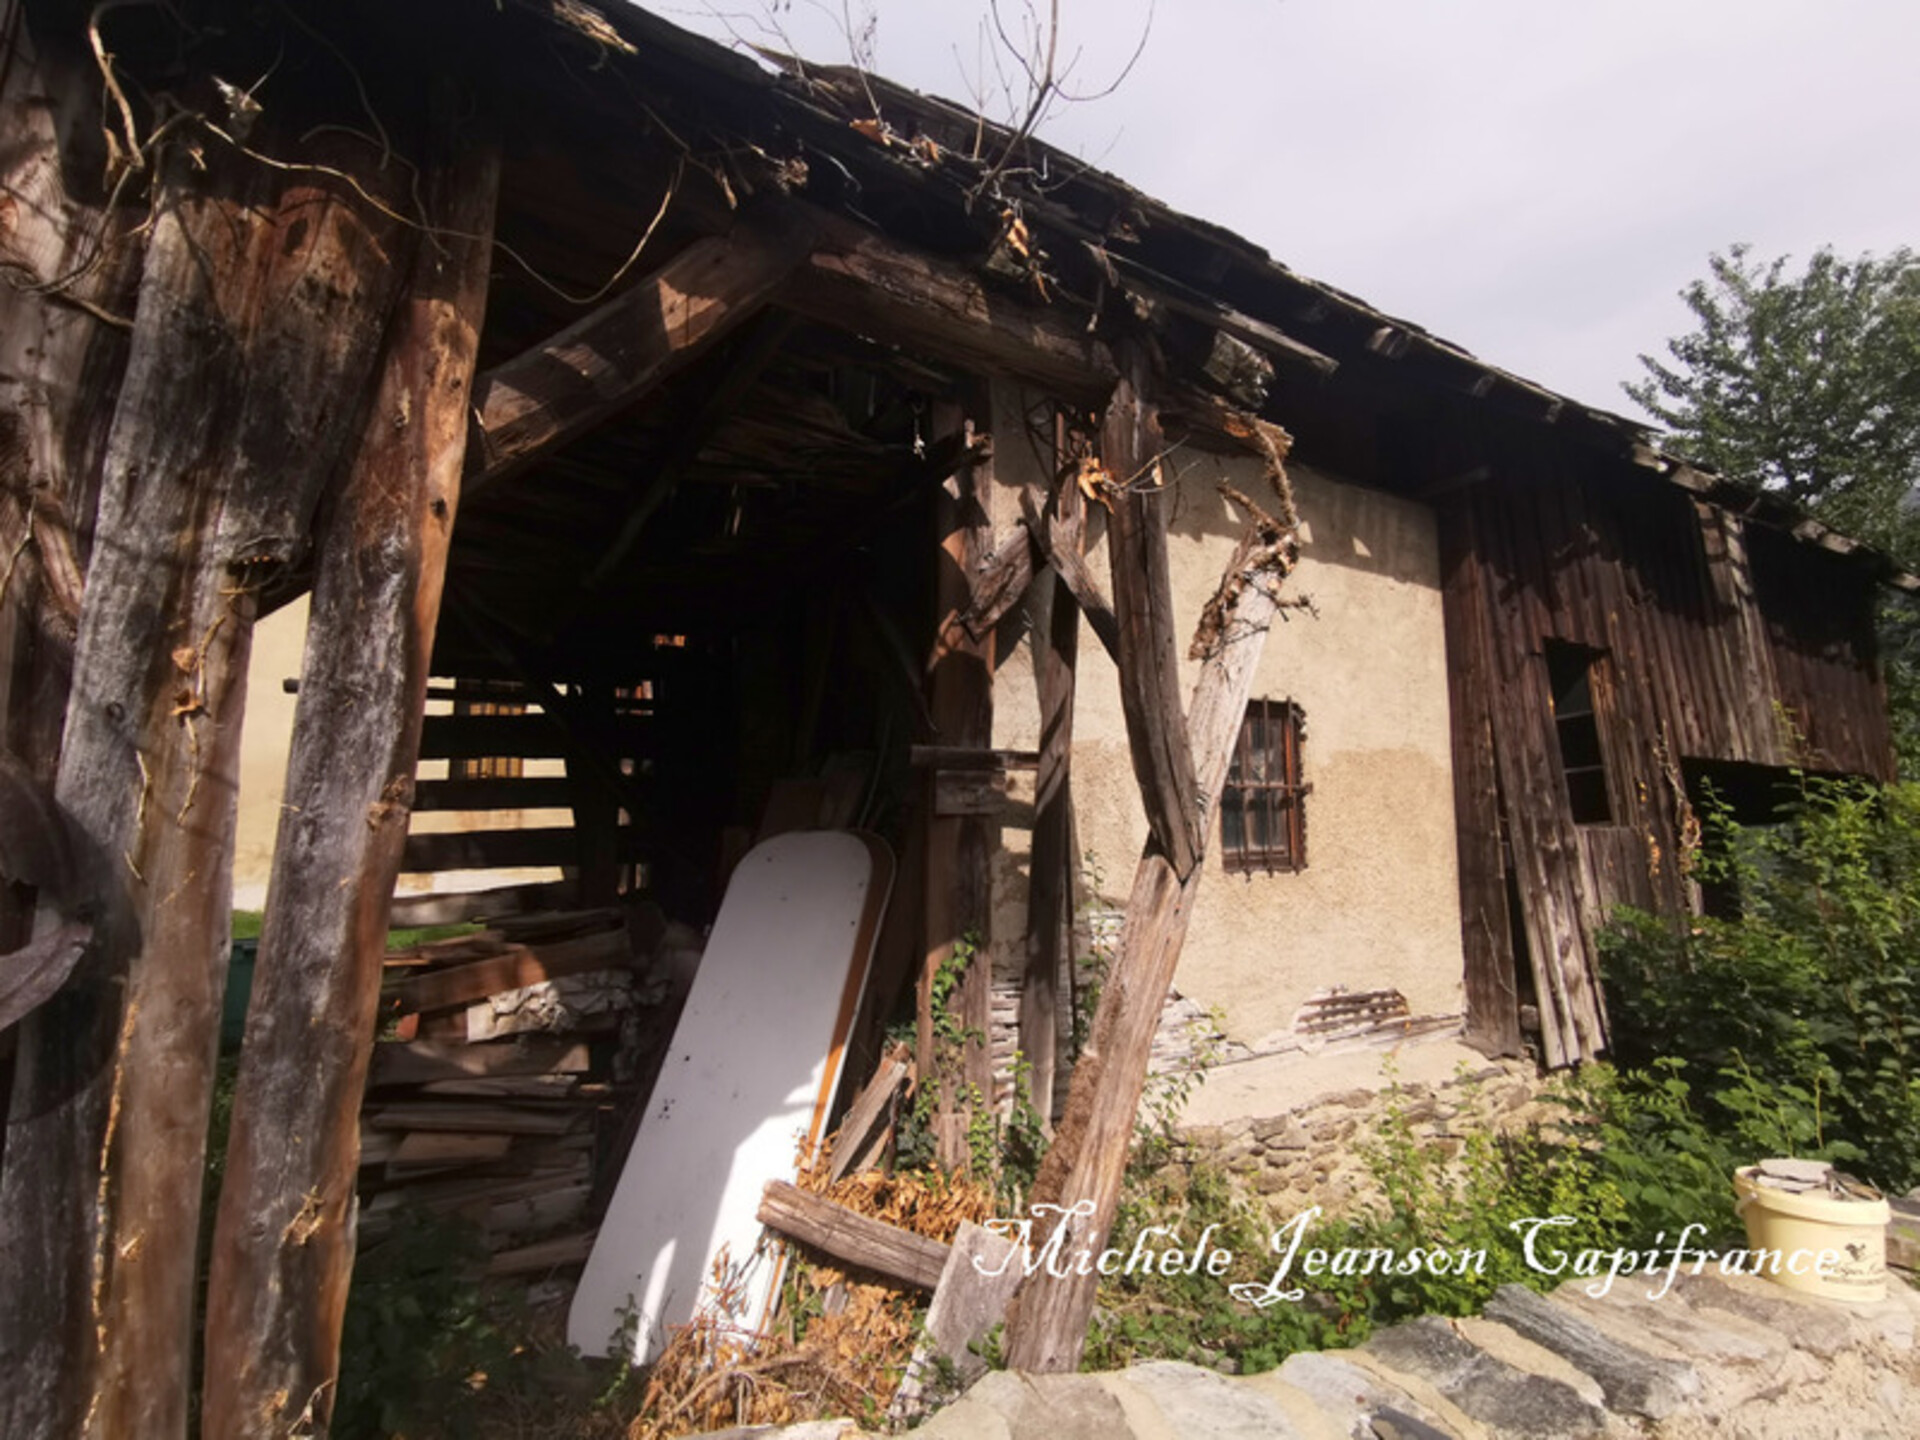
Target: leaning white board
point(749, 1077)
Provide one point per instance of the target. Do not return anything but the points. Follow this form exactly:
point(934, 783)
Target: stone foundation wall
point(1311, 1155)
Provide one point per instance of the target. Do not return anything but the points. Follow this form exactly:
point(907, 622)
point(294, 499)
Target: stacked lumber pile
point(517, 1053)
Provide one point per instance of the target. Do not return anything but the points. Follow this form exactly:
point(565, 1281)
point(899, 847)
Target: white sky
point(1532, 179)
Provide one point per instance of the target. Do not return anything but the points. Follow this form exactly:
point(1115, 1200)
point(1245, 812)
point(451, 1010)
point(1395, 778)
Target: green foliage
point(914, 1149)
point(1796, 1024)
point(417, 1334)
point(1653, 1161)
point(1461, 1193)
point(1805, 383)
point(428, 1350)
point(1194, 1317)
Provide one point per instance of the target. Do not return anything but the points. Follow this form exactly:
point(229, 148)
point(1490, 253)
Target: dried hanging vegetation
point(1271, 548)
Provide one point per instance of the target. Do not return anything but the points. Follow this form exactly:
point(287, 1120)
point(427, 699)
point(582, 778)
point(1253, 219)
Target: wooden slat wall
point(1705, 632)
point(533, 735)
point(1817, 610)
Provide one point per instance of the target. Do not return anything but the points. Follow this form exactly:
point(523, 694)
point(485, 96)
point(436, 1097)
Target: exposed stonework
point(1311, 1155)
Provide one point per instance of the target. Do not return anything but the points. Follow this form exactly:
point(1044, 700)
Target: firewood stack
point(517, 1056)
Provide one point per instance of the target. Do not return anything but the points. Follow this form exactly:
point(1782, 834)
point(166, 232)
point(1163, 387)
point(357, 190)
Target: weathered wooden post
point(262, 295)
point(284, 1242)
point(1047, 1327)
point(1056, 646)
point(958, 848)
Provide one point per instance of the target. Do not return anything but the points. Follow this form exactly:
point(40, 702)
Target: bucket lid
point(1809, 1177)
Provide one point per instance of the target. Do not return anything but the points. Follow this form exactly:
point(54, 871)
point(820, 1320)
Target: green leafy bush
point(1797, 1023)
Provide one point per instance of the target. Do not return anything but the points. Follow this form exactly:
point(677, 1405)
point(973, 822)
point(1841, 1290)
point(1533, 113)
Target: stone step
point(1354, 1396)
point(1632, 1380)
point(1502, 1397)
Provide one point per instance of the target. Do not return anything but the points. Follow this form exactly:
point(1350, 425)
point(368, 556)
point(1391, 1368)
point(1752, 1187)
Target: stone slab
point(1306, 1413)
point(1045, 1407)
point(1518, 1351)
point(1508, 1401)
point(1351, 1393)
point(1633, 1380)
point(1197, 1402)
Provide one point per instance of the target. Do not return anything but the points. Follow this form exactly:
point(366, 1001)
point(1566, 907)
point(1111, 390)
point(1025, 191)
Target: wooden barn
point(763, 449)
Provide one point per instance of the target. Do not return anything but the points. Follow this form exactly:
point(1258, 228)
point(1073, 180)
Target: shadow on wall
point(1365, 530)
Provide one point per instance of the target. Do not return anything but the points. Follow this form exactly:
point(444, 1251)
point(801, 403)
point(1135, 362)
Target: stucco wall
point(278, 642)
point(1378, 904)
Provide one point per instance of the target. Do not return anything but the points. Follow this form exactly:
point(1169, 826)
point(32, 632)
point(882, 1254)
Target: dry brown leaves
point(817, 1364)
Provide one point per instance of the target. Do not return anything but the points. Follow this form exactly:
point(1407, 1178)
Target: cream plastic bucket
point(1800, 1226)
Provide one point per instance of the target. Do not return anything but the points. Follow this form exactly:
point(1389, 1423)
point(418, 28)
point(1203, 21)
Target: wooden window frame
point(1267, 798)
point(1575, 683)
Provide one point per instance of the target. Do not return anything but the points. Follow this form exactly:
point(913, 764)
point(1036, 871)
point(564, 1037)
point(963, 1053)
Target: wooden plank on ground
point(982, 1272)
point(863, 1133)
point(447, 1147)
point(851, 1237)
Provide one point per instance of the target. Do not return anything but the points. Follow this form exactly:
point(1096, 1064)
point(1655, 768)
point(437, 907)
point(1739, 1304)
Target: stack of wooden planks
point(509, 1063)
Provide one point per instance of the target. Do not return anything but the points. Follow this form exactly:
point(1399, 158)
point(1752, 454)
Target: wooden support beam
point(959, 847)
point(61, 357)
point(63, 347)
point(851, 1237)
point(284, 1239)
point(597, 860)
point(1492, 999)
point(1162, 293)
point(1061, 535)
point(259, 320)
point(1130, 446)
point(610, 358)
point(1000, 586)
point(858, 280)
point(1056, 650)
point(1047, 1329)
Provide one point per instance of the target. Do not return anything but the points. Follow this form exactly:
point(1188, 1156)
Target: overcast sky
point(1532, 179)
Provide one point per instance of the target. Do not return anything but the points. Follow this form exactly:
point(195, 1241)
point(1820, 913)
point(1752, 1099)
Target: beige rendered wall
point(1378, 904)
point(278, 642)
